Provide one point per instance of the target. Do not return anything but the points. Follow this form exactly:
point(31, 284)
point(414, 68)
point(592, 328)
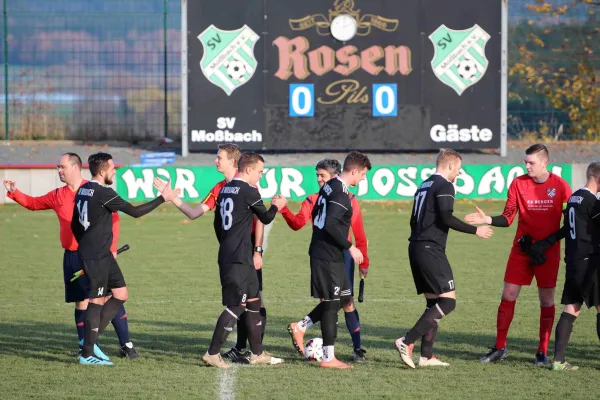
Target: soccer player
point(538, 198)
point(431, 219)
point(326, 170)
point(581, 231)
point(237, 203)
point(331, 217)
point(94, 205)
point(61, 201)
point(226, 162)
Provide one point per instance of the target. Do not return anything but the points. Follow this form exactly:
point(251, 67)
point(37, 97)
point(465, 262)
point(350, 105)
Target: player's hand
point(169, 194)
point(114, 253)
point(477, 218)
point(363, 272)
point(356, 255)
point(484, 232)
point(258, 261)
point(10, 185)
point(279, 201)
point(537, 250)
point(160, 184)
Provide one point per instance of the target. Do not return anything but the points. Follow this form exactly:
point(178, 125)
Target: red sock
point(506, 312)
point(546, 323)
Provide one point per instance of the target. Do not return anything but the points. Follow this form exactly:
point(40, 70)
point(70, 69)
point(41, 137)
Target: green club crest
point(459, 59)
point(228, 60)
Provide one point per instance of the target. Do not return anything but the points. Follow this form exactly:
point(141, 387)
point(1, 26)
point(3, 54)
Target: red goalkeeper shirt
point(211, 200)
point(296, 222)
point(61, 201)
point(539, 206)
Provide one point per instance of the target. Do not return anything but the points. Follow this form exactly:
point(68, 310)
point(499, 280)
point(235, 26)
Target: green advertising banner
point(390, 182)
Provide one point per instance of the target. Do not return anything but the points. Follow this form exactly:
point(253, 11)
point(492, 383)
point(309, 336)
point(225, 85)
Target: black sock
point(109, 311)
point(329, 321)
point(317, 313)
point(429, 338)
point(263, 322)
point(80, 323)
point(92, 322)
point(598, 325)
point(242, 332)
point(121, 326)
point(253, 324)
point(444, 306)
point(562, 335)
point(224, 327)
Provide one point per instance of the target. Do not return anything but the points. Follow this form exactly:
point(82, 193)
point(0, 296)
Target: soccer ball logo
point(236, 70)
point(467, 68)
point(313, 351)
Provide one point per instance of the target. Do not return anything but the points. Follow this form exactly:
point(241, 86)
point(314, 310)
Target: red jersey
point(539, 205)
point(211, 200)
point(296, 222)
point(61, 201)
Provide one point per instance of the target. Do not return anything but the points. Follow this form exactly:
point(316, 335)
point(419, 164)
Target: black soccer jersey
point(433, 197)
point(331, 222)
point(92, 218)
point(238, 201)
point(582, 219)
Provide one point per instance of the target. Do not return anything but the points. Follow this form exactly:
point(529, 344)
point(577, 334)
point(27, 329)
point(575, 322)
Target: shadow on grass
point(56, 342)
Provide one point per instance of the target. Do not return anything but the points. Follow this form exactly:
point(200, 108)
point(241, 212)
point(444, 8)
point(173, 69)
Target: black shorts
point(79, 289)
point(104, 275)
point(239, 282)
point(349, 266)
point(328, 279)
point(581, 283)
point(430, 268)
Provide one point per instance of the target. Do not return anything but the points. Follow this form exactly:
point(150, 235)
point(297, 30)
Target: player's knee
point(237, 311)
point(253, 306)
point(347, 303)
point(446, 305)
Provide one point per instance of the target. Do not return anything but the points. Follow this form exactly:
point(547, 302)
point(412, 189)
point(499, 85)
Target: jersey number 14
point(83, 214)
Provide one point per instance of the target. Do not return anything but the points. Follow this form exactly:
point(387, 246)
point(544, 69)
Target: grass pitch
point(175, 300)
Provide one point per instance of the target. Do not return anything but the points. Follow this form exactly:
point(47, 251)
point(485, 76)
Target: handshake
point(278, 201)
point(536, 250)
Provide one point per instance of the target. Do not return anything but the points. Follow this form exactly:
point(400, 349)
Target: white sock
point(328, 353)
point(305, 324)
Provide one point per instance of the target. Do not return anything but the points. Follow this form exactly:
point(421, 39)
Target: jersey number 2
point(226, 213)
point(320, 218)
point(83, 214)
point(572, 231)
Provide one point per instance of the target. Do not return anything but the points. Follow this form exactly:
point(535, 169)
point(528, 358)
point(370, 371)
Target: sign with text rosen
point(345, 74)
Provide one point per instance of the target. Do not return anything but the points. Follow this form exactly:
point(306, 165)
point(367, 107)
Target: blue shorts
point(349, 265)
point(78, 290)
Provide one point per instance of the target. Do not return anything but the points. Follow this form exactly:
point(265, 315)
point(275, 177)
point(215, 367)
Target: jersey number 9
point(572, 231)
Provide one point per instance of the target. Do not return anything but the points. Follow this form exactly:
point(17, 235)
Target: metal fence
point(110, 69)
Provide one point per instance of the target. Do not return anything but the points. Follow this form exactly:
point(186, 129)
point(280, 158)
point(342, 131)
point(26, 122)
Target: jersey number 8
point(226, 210)
point(320, 218)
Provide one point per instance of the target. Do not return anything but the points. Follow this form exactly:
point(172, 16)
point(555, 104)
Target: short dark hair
point(232, 150)
point(330, 165)
point(357, 160)
point(593, 170)
point(74, 159)
point(98, 162)
point(538, 148)
point(248, 160)
point(446, 156)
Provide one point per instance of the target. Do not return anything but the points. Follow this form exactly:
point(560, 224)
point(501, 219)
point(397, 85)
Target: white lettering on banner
point(383, 181)
point(407, 176)
point(464, 183)
point(271, 189)
point(512, 174)
point(225, 133)
point(426, 173)
point(291, 180)
point(439, 133)
point(184, 180)
point(494, 176)
point(363, 187)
